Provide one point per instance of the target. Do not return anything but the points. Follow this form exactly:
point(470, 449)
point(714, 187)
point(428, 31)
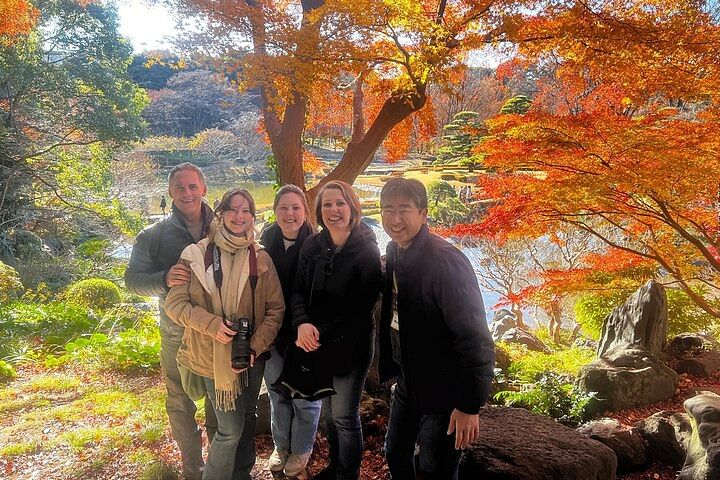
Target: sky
point(147, 27)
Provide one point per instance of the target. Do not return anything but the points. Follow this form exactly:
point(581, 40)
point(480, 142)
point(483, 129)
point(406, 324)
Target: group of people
point(308, 298)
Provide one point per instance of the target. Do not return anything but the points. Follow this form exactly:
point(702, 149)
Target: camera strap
point(218, 274)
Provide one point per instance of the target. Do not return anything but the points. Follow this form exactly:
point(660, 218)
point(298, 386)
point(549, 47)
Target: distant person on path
point(152, 271)
point(163, 204)
point(338, 281)
point(433, 337)
point(293, 422)
point(232, 310)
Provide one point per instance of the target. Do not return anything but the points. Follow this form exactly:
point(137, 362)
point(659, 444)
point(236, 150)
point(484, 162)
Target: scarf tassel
point(225, 398)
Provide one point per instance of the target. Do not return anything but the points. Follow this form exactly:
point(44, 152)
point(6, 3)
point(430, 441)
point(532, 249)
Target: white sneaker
point(296, 463)
point(277, 461)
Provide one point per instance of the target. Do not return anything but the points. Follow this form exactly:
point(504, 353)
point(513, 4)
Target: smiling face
point(238, 217)
point(402, 219)
point(290, 214)
point(187, 191)
point(336, 210)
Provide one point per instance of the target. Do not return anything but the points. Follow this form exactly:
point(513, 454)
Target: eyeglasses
point(403, 212)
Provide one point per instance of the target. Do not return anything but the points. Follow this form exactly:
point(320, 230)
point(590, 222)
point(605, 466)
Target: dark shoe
point(329, 473)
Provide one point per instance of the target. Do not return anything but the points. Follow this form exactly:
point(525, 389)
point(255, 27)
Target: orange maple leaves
point(17, 17)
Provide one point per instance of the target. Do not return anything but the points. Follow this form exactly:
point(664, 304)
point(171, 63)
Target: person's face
point(237, 218)
point(335, 210)
point(402, 219)
point(187, 191)
point(290, 214)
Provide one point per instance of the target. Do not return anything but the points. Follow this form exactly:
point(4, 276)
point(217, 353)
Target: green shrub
point(95, 293)
point(27, 327)
point(450, 212)
point(10, 285)
point(683, 314)
point(527, 366)
point(553, 396)
point(7, 372)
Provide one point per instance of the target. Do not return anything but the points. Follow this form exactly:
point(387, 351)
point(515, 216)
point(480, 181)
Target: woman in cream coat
point(220, 289)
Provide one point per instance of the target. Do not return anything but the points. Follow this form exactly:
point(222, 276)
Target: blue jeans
point(232, 453)
point(341, 413)
point(293, 422)
point(181, 411)
point(438, 459)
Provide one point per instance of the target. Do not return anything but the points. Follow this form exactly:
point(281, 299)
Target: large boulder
point(703, 458)
point(627, 443)
point(523, 337)
point(690, 344)
point(704, 364)
point(667, 435)
point(503, 320)
point(516, 444)
point(640, 322)
point(626, 378)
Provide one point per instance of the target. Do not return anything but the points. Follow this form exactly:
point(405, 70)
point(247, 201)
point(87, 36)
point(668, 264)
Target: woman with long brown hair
point(231, 309)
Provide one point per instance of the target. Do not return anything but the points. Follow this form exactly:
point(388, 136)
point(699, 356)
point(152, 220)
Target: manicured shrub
point(95, 293)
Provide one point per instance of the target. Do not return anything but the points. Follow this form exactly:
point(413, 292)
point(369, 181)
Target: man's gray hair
point(187, 166)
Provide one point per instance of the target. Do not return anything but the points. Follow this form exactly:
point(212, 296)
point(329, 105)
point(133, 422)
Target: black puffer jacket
point(336, 290)
point(286, 262)
point(447, 352)
point(157, 248)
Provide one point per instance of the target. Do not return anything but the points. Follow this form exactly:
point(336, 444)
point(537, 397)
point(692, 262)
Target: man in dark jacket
point(433, 337)
point(152, 270)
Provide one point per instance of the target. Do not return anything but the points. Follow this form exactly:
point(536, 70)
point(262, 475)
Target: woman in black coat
point(338, 280)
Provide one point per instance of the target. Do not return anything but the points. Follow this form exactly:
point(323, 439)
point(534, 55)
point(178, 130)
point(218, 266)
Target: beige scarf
point(236, 270)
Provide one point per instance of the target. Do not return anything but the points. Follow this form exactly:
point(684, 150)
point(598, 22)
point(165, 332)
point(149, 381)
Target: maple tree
point(305, 50)
point(17, 18)
point(622, 142)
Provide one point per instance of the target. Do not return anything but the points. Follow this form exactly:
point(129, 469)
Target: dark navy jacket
point(446, 349)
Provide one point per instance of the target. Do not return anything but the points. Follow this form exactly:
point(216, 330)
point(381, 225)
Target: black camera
point(240, 356)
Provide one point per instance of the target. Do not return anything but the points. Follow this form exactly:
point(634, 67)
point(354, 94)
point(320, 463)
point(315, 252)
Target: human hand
point(179, 274)
point(466, 427)
point(308, 337)
point(224, 334)
point(252, 364)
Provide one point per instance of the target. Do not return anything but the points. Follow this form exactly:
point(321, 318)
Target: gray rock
point(627, 378)
point(703, 458)
point(667, 435)
point(502, 359)
point(691, 344)
point(516, 444)
point(703, 365)
point(627, 443)
point(523, 337)
point(502, 321)
point(640, 322)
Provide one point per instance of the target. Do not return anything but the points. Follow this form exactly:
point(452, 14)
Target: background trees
point(621, 143)
point(63, 90)
point(393, 49)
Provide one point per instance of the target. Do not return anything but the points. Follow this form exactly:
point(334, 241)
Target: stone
point(703, 457)
point(691, 344)
point(503, 320)
point(640, 322)
point(667, 435)
point(628, 443)
point(704, 364)
point(627, 378)
point(523, 337)
point(516, 444)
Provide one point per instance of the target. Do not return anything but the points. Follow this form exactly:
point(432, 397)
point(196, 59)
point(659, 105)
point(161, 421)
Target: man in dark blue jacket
point(433, 337)
point(152, 271)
